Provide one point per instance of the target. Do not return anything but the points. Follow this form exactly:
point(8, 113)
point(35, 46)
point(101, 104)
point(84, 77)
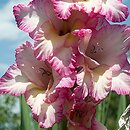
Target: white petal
point(14, 82)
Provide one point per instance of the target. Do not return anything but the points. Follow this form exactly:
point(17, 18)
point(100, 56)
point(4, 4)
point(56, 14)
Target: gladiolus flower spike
point(77, 58)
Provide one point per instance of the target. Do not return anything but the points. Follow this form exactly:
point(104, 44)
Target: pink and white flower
point(39, 84)
point(30, 17)
point(113, 10)
point(81, 115)
point(47, 34)
point(53, 37)
point(104, 62)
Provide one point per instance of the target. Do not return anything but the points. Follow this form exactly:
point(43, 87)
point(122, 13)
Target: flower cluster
point(76, 59)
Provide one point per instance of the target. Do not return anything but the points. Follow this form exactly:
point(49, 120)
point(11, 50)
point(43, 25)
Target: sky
point(11, 37)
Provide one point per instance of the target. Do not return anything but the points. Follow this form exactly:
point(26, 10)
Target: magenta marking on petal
point(13, 82)
point(114, 10)
point(62, 9)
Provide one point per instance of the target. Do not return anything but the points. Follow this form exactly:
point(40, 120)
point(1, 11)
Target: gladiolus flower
point(53, 37)
point(105, 64)
point(39, 84)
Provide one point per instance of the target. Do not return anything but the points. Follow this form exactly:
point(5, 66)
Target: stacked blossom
point(77, 58)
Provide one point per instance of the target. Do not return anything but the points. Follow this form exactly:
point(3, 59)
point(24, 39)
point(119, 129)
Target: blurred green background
point(15, 114)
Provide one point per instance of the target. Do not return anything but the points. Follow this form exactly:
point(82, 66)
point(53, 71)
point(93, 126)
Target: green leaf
point(103, 109)
point(99, 112)
point(25, 115)
point(55, 127)
point(121, 107)
point(63, 124)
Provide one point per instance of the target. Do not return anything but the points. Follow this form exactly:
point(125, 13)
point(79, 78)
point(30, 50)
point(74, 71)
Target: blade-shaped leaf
point(25, 115)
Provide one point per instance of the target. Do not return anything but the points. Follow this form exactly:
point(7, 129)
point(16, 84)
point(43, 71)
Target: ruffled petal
point(114, 10)
point(34, 97)
point(63, 62)
point(30, 17)
point(90, 6)
point(102, 79)
point(104, 50)
point(36, 71)
point(94, 79)
point(121, 82)
point(65, 82)
point(63, 9)
point(46, 114)
point(47, 41)
point(51, 113)
point(14, 82)
point(83, 82)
